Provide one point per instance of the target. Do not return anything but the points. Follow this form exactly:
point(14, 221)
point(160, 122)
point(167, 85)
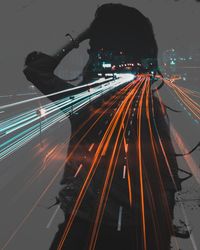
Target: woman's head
point(118, 27)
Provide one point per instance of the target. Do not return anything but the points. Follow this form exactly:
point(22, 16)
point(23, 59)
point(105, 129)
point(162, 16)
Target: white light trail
point(19, 130)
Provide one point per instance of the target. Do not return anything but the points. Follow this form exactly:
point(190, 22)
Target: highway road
point(115, 183)
point(120, 181)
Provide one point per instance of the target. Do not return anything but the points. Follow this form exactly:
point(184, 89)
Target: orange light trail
point(141, 167)
point(162, 147)
point(188, 158)
point(183, 95)
point(111, 169)
point(63, 165)
point(107, 137)
point(115, 132)
point(155, 155)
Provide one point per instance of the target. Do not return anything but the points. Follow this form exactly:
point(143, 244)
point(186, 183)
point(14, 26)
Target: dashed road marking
point(91, 147)
point(79, 169)
point(119, 224)
point(100, 132)
point(124, 172)
point(52, 217)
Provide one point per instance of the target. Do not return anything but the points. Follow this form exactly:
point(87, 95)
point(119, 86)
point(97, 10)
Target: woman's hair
point(121, 28)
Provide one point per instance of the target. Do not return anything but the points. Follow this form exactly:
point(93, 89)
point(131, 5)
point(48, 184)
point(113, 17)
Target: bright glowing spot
point(106, 65)
point(42, 112)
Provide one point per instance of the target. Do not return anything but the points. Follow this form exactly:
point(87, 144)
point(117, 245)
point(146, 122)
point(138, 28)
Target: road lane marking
point(100, 132)
point(79, 169)
point(91, 147)
point(131, 122)
point(124, 172)
point(129, 132)
point(119, 224)
point(63, 119)
point(53, 216)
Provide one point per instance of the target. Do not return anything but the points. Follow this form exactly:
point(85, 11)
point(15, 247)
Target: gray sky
point(28, 25)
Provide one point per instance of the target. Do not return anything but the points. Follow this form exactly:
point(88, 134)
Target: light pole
point(41, 112)
point(72, 98)
point(89, 91)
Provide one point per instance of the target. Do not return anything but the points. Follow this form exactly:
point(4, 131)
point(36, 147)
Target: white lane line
point(119, 224)
point(1, 112)
point(63, 119)
point(129, 132)
point(100, 132)
point(79, 169)
point(124, 172)
point(91, 147)
point(131, 122)
point(53, 216)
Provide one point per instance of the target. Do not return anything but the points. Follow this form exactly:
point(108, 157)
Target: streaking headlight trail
point(16, 131)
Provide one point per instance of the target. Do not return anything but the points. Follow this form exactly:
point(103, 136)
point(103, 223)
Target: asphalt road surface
point(120, 180)
point(113, 189)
